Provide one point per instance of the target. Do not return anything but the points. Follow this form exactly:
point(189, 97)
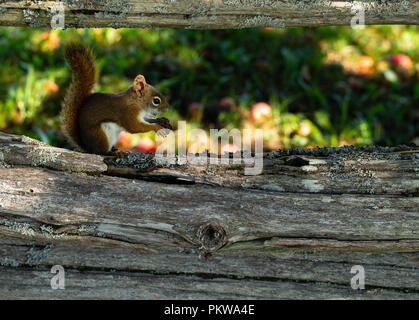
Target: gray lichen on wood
point(262, 21)
point(20, 150)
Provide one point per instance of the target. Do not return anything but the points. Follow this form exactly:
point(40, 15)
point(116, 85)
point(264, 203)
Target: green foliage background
point(290, 69)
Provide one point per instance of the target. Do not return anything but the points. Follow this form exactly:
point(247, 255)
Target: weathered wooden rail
point(207, 14)
point(208, 231)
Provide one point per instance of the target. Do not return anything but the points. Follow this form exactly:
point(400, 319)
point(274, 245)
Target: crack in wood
point(206, 276)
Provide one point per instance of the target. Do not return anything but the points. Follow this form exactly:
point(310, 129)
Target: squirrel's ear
point(139, 85)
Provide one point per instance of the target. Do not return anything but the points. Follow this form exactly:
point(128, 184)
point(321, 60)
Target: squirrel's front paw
point(164, 123)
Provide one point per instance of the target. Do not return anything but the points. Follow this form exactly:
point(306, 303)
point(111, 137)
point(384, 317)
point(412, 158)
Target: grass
point(312, 78)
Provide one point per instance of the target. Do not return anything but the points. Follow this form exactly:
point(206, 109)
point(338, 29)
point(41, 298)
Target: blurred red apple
point(261, 111)
point(145, 145)
point(124, 141)
point(365, 64)
point(53, 41)
point(304, 130)
point(402, 60)
point(51, 87)
point(45, 34)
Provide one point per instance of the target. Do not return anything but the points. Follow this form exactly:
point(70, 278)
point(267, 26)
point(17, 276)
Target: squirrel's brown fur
point(93, 121)
point(82, 65)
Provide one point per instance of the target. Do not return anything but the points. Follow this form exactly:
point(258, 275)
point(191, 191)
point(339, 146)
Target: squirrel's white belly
point(112, 131)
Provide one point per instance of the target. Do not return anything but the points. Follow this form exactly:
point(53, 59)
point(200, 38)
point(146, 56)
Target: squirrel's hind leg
point(95, 141)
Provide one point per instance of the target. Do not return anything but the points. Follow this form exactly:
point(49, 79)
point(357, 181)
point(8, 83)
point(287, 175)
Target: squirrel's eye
point(156, 101)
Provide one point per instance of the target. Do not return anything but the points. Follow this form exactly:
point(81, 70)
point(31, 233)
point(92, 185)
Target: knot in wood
point(212, 236)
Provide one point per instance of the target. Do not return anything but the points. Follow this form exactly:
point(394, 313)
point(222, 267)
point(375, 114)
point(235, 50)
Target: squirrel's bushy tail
point(82, 65)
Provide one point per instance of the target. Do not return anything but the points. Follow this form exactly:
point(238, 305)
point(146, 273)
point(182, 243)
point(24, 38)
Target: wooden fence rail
point(207, 14)
point(131, 228)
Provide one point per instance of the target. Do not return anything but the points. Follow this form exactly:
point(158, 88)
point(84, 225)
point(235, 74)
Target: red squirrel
point(93, 121)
